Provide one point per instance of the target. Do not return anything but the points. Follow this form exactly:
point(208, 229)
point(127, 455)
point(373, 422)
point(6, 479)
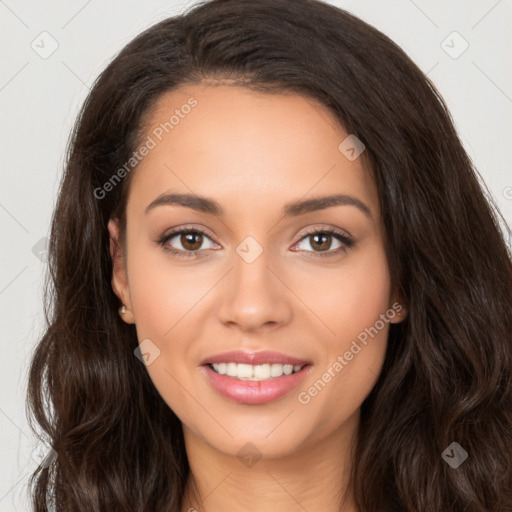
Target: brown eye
point(191, 240)
point(186, 242)
point(321, 242)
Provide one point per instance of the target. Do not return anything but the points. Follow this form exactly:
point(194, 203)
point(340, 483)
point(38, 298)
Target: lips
point(254, 393)
point(264, 357)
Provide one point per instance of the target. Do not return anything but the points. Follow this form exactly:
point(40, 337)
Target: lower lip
point(255, 392)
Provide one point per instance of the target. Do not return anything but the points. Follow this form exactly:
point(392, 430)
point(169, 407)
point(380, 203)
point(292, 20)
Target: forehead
point(245, 148)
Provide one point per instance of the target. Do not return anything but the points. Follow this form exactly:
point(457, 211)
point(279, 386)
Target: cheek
point(163, 297)
point(163, 293)
point(367, 294)
point(363, 333)
point(351, 303)
point(351, 297)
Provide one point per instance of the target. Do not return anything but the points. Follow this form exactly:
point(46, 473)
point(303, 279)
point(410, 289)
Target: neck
point(313, 477)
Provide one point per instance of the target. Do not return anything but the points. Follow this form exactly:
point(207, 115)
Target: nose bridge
point(252, 295)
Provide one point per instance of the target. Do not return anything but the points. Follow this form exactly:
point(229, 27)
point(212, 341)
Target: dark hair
point(447, 375)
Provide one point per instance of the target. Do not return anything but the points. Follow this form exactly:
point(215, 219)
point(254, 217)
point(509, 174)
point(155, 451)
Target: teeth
point(255, 372)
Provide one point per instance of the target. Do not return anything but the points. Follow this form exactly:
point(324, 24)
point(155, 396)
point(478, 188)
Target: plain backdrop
point(53, 50)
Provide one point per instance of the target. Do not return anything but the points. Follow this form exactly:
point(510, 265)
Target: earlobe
point(400, 312)
point(119, 278)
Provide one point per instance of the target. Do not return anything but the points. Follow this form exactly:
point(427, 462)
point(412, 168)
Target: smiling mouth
point(257, 372)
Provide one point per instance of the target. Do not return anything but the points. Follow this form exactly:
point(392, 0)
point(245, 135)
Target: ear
point(119, 274)
point(397, 311)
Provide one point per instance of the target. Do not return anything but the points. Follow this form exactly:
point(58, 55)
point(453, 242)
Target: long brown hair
point(447, 376)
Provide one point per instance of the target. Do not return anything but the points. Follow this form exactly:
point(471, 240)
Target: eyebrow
point(293, 209)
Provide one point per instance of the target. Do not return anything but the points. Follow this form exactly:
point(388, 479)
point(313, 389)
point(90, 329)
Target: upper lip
point(266, 356)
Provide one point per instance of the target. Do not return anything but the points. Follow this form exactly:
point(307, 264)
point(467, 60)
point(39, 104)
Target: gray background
point(40, 97)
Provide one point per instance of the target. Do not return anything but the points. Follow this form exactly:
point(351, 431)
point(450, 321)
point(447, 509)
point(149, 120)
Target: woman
point(276, 281)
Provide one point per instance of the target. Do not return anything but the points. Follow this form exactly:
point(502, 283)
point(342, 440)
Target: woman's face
point(253, 279)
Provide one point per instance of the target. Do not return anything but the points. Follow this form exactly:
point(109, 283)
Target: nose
point(254, 296)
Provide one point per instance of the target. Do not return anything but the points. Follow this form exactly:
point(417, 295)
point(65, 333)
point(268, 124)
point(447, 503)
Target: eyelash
point(344, 239)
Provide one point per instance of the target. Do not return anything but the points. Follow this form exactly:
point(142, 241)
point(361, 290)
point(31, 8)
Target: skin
point(253, 153)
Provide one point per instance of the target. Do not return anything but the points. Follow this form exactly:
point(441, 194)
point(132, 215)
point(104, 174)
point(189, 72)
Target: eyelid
point(343, 236)
point(180, 229)
point(308, 231)
point(321, 228)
